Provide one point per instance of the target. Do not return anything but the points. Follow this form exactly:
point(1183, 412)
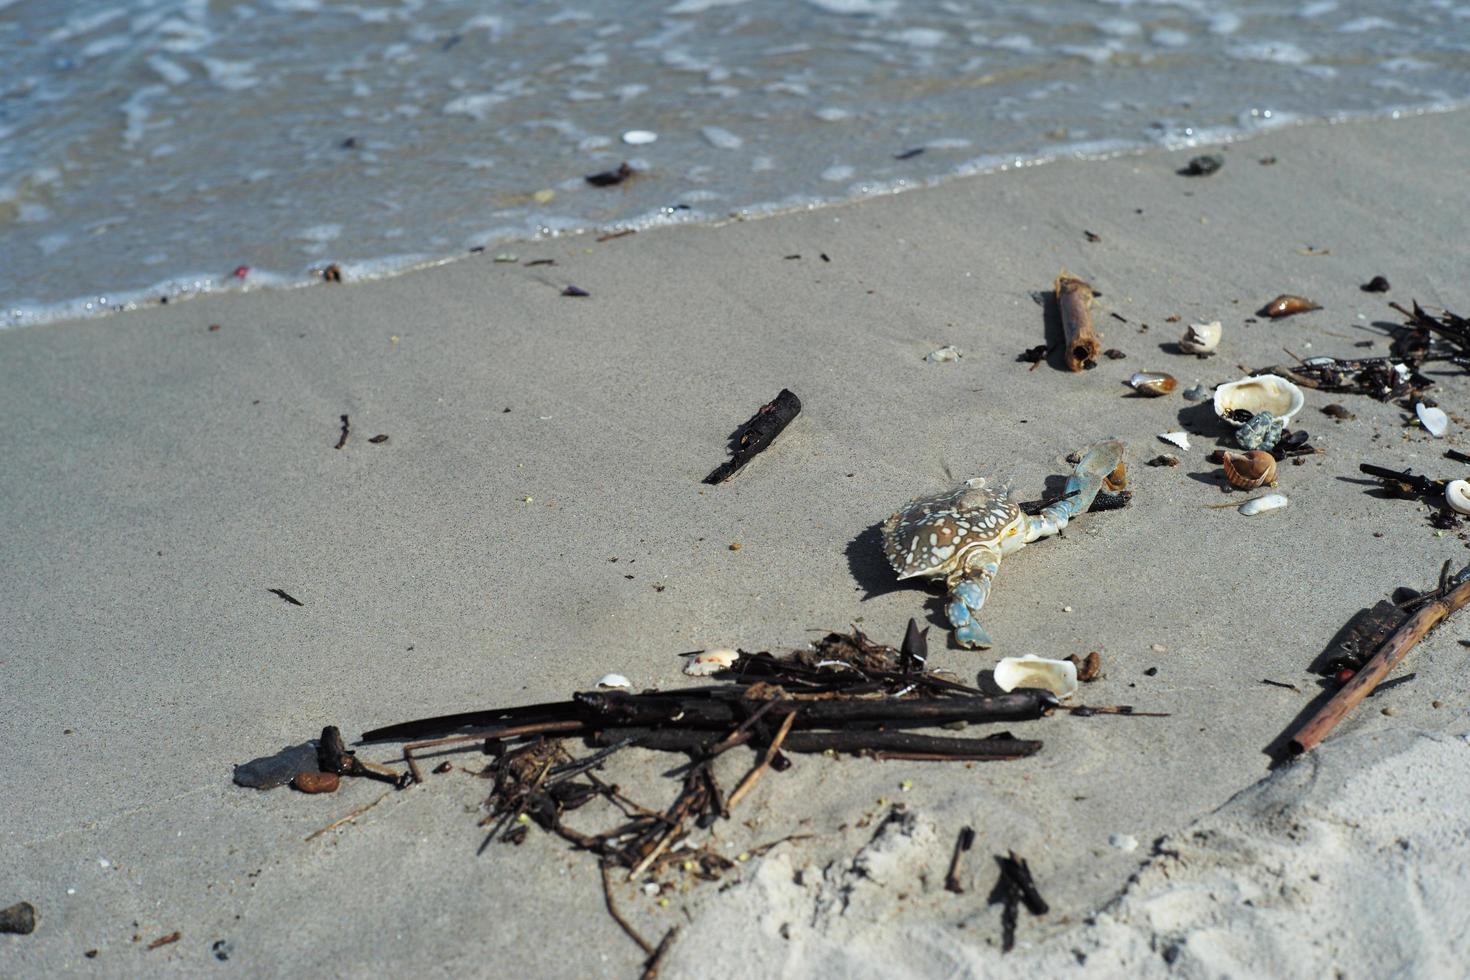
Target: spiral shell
point(1250, 470)
point(1457, 496)
point(1201, 338)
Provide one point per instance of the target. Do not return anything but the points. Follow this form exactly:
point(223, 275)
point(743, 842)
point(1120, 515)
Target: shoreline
point(187, 287)
point(163, 476)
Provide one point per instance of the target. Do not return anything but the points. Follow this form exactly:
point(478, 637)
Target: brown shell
point(1250, 470)
point(1286, 305)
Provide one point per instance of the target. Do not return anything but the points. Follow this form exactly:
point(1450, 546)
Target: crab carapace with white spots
point(961, 535)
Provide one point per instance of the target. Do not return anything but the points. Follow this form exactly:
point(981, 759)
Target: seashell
point(943, 355)
point(1180, 439)
point(1262, 431)
point(1201, 338)
point(1262, 393)
point(614, 680)
point(1250, 470)
point(1286, 305)
point(1196, 394)
point(1457, 496)
point(1259, 505)
point(1152, 383)
point(1057, 676)
point(711, 662)
point(1434, 420)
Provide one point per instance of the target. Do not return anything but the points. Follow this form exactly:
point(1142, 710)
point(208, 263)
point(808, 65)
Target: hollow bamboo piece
point(1074, 302)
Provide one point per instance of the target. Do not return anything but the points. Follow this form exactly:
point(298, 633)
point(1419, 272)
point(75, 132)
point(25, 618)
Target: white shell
point(1180, 439)
point(614, 680)
point(639, 137)
point(1259, 505)
point(1434, 420)
point(1057, 676)
point(1201, 338)
point(944, 355)
point(1266, 393)
point(1457, 495)
point(711, 662)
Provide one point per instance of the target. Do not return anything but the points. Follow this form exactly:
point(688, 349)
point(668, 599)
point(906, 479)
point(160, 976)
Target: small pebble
point(1196, 394)
point(222, 948)
point(1066, 609)
point(1390, 712)
point(317, 782)
point(1151, 672)
point(1436, 704)
point(1123, 842)
point(639, 137)
point(19, 919)
point(1157, 648)
point(735, 545)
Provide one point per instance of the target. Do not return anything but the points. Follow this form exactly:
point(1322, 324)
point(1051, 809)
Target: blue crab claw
point(1081, 490)
point(965, 599)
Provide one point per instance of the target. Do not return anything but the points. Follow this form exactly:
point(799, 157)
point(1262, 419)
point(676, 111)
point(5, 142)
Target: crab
point(962, 535)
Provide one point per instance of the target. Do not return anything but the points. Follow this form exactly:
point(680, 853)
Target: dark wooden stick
point(888, 745)
point(1310, 735)
point(963, 843)
point(759, 431)
point(1014, 867)
point(1074, 299)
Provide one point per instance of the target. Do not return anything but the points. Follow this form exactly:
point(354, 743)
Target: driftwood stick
point(882, 745)
point(1310, 735)
point(749, 781)
point(1074, 299)
point(758, 432)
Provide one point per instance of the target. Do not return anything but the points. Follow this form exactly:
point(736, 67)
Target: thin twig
point(350, 817)
point(612, 910)
point(650, 968)
point(751, 777)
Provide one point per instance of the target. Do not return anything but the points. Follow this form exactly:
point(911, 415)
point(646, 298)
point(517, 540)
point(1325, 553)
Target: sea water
point(161, 148)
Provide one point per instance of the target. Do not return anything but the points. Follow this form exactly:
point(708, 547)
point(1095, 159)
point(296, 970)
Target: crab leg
point(966, 595)
point(1081, 489)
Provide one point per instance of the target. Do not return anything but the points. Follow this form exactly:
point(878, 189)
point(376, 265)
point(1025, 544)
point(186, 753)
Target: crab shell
point(944, 534)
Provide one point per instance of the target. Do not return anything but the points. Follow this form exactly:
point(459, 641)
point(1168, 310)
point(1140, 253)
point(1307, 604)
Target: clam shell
point(1263, 393)
point(614, 680)
point(1057, 676)
point(1286, 305)
point(711, 662)
point(1180, 439)
point(1457, 496)
point(1434, 420)
point(1152, 383)
point(1201, 338)
point(1250, 470)
point(1259, 505)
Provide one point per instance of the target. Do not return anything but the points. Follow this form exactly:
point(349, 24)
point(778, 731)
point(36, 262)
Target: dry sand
point(160, 477)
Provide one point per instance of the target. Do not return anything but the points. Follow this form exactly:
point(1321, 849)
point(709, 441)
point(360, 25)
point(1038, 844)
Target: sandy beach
point(535, 519)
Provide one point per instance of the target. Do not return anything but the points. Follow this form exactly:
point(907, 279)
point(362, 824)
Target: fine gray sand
point(159, 477)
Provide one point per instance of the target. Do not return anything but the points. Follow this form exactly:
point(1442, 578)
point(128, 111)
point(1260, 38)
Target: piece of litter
point(1259, 505)
point(944, 355)
point(1434, 420)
